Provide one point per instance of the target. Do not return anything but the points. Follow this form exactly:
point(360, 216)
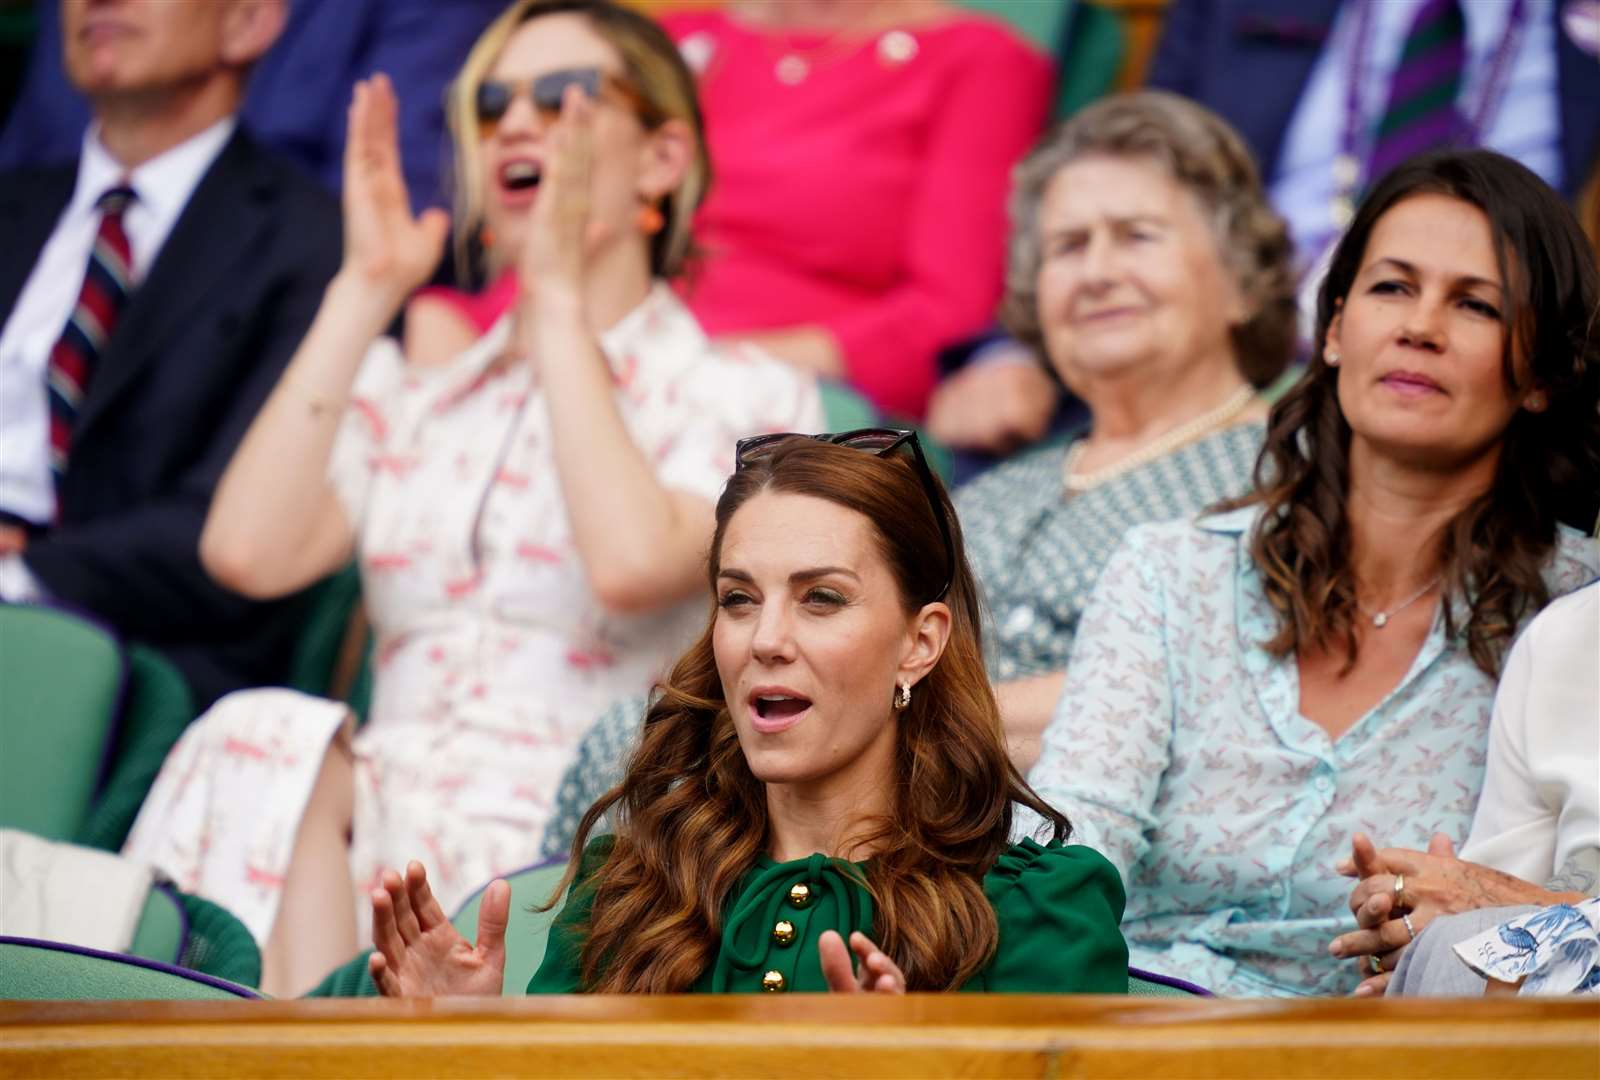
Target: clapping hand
point(563, 233)
point(876, 974)
point(385, 248)
point(419, 954)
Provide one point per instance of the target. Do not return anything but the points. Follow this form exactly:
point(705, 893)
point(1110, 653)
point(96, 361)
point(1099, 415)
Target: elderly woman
point(823, 775)
point(1249, 690)
point(1147, 265)
point(529, 515)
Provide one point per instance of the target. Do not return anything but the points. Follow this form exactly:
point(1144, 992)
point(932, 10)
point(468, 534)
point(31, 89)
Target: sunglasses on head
point(495, 96)
point(879, 442)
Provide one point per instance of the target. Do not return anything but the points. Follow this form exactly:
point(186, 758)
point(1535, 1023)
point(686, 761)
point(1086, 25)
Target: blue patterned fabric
point(1178, 751)
point(1038, 554)
point(1555, 949)
point(596, 768)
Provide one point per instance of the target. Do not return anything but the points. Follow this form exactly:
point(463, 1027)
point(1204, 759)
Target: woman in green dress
point(821, 798)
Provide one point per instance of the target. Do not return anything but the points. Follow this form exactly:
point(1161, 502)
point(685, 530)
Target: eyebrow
point(811, 573)
point(1131, 219)
point(1408, 268)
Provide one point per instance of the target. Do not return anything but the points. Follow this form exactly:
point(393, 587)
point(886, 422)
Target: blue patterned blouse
point(1179, 752)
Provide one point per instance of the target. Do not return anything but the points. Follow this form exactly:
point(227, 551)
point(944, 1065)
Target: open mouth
point(520, 175)
point(780, 707)
point(775, 712)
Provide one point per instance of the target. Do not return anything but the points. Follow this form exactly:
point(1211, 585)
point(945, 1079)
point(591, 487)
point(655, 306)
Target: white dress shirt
point(162, 187)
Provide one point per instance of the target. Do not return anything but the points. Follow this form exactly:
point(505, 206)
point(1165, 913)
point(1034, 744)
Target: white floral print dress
point(492, 655)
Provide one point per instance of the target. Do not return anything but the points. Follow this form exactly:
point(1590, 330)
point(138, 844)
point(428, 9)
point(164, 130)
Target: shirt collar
point(163, 184)
point(1230, 522)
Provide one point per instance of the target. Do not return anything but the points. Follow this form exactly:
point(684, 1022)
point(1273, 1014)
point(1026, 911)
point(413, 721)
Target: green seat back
point(329, 605)
point(843, 409)
point(42, 971)
point(1041, 21)
point(159, 935)
point(155, 711)
point(60, 677)
point(218, 944)
point(1092, 55)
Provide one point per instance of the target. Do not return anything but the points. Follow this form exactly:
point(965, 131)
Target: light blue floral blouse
point(1178, 751)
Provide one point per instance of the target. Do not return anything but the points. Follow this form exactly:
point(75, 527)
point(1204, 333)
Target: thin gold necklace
point(1161, 447)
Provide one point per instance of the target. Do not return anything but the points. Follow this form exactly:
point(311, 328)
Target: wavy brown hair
point(1494, 550)
point(691, 818)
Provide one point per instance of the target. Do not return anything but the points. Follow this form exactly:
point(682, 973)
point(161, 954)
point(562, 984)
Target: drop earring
point(650, 220)
point(902, 697)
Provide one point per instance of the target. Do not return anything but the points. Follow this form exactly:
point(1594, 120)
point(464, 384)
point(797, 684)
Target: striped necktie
point(105, 290)
point(1421, 112)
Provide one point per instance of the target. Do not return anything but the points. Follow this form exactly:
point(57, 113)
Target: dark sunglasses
point(879, 442)
point(495, 96)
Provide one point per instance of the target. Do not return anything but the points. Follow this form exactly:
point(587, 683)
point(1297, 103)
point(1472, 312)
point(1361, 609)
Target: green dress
point(1058, 907)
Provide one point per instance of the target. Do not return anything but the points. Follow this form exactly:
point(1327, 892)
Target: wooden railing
point(814, 1037)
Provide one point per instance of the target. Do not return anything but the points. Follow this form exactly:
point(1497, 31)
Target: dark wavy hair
point(1494, 550)
point(691, 818)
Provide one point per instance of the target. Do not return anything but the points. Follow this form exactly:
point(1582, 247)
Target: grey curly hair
point(1209, 159)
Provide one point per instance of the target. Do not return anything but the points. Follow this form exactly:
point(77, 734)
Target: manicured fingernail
point(1363, 990)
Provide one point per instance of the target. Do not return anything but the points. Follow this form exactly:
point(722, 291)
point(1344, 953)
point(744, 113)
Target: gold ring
point(1377, 964)
point(1399, 890)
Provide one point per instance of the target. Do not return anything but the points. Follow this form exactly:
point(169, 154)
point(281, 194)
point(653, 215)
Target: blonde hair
point(1202, 153)
point(652, 64)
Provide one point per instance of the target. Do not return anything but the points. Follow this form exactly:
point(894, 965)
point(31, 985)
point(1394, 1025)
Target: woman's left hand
point(876, 974)
point(1434, 883)
point(561, 233)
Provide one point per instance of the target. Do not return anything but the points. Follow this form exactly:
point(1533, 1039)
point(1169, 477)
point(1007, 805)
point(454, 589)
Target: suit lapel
point(223, 225)
point(29, 209)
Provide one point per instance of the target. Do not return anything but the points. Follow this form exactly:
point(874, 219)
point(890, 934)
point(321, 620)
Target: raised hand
point(385, 247)
point(562, 233)
point(419, 954)
point(876, 974)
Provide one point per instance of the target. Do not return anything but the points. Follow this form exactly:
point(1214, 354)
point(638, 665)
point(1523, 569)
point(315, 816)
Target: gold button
point(772, 982)
point(783, 932)
point(800, 895)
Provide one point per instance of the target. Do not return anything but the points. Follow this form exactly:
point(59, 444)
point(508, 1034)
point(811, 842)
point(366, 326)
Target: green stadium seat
point(61, 678)
point(49, 971)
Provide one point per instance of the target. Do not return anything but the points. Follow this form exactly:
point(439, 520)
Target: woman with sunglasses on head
point(1250, 690)
point(529, 515)
point(822, 774)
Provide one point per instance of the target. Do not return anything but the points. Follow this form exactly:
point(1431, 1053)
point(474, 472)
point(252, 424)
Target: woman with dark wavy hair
point(823, 774)
point(1251, 689)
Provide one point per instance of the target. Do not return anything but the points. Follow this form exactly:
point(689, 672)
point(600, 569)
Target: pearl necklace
point(1161, 447)
point(1380, 619)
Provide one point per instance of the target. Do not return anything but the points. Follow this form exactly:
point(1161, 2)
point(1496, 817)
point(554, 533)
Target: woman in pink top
point(863, 152)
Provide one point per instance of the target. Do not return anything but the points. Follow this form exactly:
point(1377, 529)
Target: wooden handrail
point(809, 1036)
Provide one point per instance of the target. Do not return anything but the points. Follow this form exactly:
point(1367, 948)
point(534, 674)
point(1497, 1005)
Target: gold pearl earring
point(902, 697)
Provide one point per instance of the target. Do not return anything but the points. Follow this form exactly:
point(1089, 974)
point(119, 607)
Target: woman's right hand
point(420, 954)
point(385, 247)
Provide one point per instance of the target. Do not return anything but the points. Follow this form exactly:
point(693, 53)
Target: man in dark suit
point(203, 273)
point(1280, 72)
